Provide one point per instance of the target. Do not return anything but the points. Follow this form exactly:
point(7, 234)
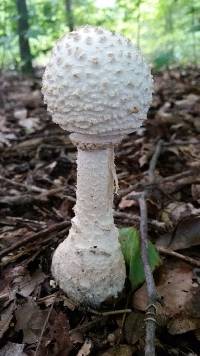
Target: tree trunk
point(24, 46)
point(69, 13)
point(194, 47)
point(138, 24)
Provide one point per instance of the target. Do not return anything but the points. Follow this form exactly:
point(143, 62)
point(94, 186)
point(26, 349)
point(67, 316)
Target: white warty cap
point(96, 82)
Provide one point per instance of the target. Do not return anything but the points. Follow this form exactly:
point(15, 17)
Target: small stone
point(111, 338)
point(20, 114)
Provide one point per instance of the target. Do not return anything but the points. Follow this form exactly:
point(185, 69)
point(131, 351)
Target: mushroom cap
point(96, 82)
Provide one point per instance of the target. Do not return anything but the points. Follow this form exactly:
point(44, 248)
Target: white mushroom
point(98, 87)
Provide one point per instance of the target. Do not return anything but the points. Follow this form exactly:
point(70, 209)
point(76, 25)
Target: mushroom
point(98, 87)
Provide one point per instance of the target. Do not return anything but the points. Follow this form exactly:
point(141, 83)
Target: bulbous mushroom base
point(88, 272)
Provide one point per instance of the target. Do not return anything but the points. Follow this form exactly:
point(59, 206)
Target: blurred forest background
point(168, 32)
point(38, 184)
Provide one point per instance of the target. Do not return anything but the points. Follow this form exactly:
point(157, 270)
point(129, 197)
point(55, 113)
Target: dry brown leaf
point(56, 340)
point(25, 285)
point(195, 189)
point(188, 102)
point(127, 203)
point(120, 350)
point(11, 349)
point(86, 348)
point(187, 230)
point(175, 286)
point(5, 319)
point(177, 210)
point(30, 319)
point(182, 325)
point(19, 280)
point(197, 334)
point(3, 122)
point(10, 236)
point(134, 328)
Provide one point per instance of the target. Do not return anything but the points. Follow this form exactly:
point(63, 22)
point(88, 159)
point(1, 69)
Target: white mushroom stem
point(95, 189)
point(89, 265)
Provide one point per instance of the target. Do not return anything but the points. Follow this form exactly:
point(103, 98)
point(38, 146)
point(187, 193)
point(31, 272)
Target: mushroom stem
point(94, 190)
point(93, 268)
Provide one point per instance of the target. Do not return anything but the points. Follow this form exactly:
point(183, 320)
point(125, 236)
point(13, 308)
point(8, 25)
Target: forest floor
point(37, 195)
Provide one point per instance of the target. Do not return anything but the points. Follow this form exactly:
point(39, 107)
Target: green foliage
point(168, 32)
point(130, 243)
point(163, 59)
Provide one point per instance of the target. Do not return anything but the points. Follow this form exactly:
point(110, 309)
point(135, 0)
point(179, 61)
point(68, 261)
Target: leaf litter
point(38, 180)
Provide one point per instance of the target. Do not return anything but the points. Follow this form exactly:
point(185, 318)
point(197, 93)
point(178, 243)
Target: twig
point(181, 143)
point(20, 200)
point(39, 246)
point(87, 326)
point(27, 199)
point(32, 144)
point(112, 312)
point(30, 188)
point(151, 289)
point(177, 181)
point(16, 220)
point(43, 233)
point(154, 160)
point(44, 327)
point(151, 171)
point(133, 218)
point(170, 252)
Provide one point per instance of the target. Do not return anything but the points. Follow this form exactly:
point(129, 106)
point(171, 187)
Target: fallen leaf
point(181, 325)
point(134, 328)
point(196, 192)
point(176, 211)
point(56, 339)
point(11, 349)
point(29, 99)
point(10, 236)
point(188, 102)
point(120, 350)
point(185, 235)
point(147, 150)
point(174, 287)
point(25, 285)
point(86, 348)
point(30, 319)
point(180, 294)
point(6, 139)
point(197, 334)
point(126, 203)
point(3, 122)
point(19, 280)
point(6, 317)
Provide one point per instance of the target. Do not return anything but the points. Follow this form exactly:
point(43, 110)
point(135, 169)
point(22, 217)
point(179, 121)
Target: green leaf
point(130, 243)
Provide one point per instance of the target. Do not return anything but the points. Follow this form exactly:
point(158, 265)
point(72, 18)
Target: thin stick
point(178, 181)
point(151, 289)
point(44, 327)
point(30, 188)
point(154, 160)
point(87, 326)
point(170, 252)
point(181, 143)
point(133, 219)
point(43, 233)
point(112, 312)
